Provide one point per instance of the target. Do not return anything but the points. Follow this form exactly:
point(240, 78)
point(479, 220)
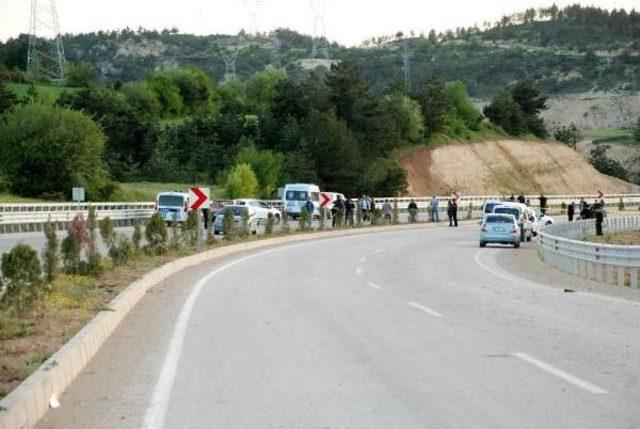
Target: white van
point(296, 194)
point(173, 206)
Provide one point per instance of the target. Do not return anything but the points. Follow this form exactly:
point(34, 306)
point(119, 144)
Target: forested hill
point(571, 50)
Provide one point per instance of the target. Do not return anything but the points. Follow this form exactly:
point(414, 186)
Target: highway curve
point(417, 329)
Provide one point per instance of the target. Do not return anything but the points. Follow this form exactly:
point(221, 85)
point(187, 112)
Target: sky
point(348, 21)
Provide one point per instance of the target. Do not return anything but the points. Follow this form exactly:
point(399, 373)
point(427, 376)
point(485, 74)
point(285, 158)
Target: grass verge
point(631, 238)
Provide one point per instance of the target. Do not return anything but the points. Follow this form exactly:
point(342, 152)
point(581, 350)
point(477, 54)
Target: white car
point(262, 210)
point(238, 213)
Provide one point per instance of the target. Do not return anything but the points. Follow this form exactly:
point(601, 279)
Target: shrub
point(621, 205)
point(76, 240)
point(176, 235)
point(358, 214)
point(376, 215)
point(136, 237)
point(323, 218)
point(22, 273)
point(108, 232)
point(156, 235)
point(270, 222)
point(242, 182)
point(395, 212)
point(636, 131)
point(51, 253)
point(191, 231)
point(413, 216)
point(123, 252)
point(470, 211)
point(228, 226)
point(285, 227)
point(303, 220)
point(70, 255)
point(245, 223)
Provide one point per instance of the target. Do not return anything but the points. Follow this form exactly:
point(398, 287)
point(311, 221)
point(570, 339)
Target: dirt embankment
point(504, 168)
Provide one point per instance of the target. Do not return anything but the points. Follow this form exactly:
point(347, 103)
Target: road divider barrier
point(563, 246)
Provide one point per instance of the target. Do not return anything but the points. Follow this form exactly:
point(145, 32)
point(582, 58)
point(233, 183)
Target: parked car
point(262, 210)
point(487, 208)
point(238, 212)
point(500, 229)
point(518, 211)
point(173, 206)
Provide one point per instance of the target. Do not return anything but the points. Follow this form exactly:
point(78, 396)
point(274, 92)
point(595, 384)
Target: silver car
point(238, 212)
point(262, 210)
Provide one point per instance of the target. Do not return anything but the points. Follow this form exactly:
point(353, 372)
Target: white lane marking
point(378, 251)
point(363, 259)
point(424, 309)
point(156, 412)
point(359, 271)
point(524, 282)
point(374, 286)
point(561, 374)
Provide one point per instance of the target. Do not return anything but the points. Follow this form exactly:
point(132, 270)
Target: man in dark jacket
point(543, 204)
point(571, 211)
point(338, 210)
point(599, 214)
point(349, 207)
point(522, 199)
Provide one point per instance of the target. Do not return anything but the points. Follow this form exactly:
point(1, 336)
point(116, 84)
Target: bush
point(303, 220)
point(156, 235)
point(108, 232)
point(242, 182)
point(123, 252)
point(176, 235)
point(568, 135)
point(358, 214)
point(376, 215)
point(191, 228)
point(413, 216)
point(47, 149)
point(270, 222)
point(228, 225)
point(21, 272)
point(636, 131)
point(621, 205)
point(285, 228)
point(76, 240)
point(245, 223)
point(137, 235)
point(51, 253)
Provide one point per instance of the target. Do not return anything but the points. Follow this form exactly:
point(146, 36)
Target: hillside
point(504, 168)
point(574, 50)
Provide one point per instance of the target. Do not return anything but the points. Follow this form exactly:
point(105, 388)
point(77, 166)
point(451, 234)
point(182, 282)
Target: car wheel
point(549, 223)
point(516, 245)
point(529, 238)
point(483, 244)
point(277, 219)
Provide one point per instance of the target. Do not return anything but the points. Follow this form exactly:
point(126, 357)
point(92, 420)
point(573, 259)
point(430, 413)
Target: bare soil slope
point(504, 168)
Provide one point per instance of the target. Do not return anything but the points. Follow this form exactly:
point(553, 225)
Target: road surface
point(396, 330)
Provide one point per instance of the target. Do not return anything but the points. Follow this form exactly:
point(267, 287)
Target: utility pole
point(320, 45)
point(229, 48)
point(45, 57)
point(407, 67)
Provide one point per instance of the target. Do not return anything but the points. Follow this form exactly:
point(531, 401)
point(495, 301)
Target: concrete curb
point(26, 404)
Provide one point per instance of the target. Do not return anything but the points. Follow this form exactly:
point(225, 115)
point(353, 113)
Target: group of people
point(527, 202)
point(595, 211)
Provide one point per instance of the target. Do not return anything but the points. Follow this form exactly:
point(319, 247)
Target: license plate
point(498, 229)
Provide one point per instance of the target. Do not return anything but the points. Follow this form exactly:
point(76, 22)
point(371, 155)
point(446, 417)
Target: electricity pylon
point(229, 48)
point(320, 45)
point(253, 7)
point(45, 57)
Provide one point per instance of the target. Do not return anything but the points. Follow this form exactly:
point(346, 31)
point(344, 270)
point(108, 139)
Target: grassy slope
point(49, 94)
point(147, 191)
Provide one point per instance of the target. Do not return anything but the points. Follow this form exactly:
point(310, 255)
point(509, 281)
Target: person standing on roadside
point(348, 208)
point(571, 211)
point(450, 211)
point(365, 204)
point(413, 210)
point(543, 204)
point(599, 214)
point(454, 212)
point(434, 206)
point(387, 210)
point(521, 199)
point(338, 209)
point(311, 208)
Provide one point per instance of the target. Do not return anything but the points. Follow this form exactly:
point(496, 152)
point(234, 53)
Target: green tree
point(7, 97)
point(51, 252)
point(568, 135)
point(506, 113)
point(435, 104)
point(459, 99)
point(156, 234)
point(22, 272)
point(533, 103)
point(636, 131)
point(242, 182)
point(606, 165)
point(267, 165)
point(46, 149)
point(80, 75)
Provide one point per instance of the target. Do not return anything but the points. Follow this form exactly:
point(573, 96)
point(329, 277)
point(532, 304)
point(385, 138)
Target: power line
point(45, 57)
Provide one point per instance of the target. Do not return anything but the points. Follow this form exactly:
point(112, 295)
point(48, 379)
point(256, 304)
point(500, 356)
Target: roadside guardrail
point(16, 218)
point(563, 246)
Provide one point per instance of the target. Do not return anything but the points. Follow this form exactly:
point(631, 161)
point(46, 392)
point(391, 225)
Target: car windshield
point(508, 210)
point(170, 201)
point(500, 219)
point(488, 208)
point(237, 211)
point(297, 195)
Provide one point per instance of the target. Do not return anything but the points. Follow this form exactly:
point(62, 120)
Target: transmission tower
point(407, 67)
point(275, 50)
point(320, 45)
point(253, 7)
point(229, 48)
point(45, 57)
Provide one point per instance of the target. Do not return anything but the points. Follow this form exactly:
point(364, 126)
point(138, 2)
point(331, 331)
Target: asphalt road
point(397, 330)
